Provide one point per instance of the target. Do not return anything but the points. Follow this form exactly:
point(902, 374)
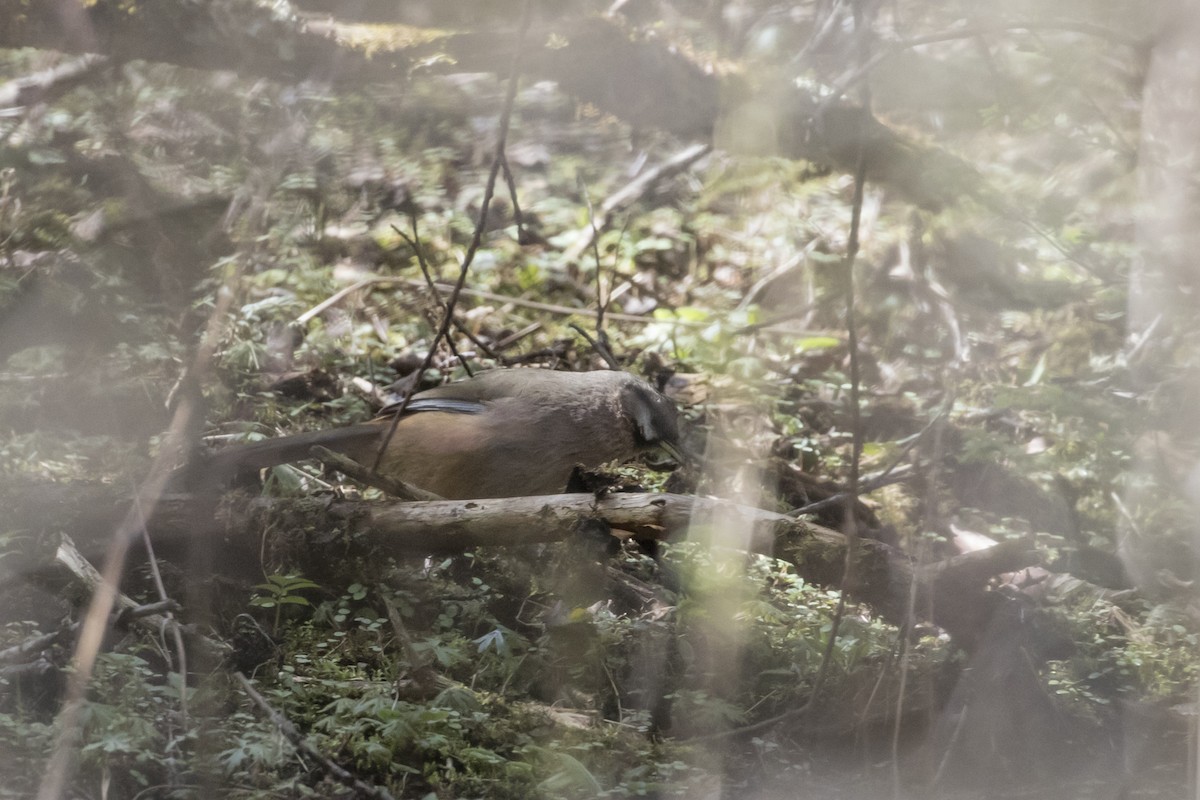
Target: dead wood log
point(313, 533)
point(637, 77)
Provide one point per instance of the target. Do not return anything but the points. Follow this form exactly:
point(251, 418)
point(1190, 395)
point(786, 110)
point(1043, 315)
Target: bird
point(501, 433)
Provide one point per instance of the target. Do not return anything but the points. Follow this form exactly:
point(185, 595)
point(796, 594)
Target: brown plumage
point(503, 433)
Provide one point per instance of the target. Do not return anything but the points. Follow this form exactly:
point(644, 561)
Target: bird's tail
point(230, 464)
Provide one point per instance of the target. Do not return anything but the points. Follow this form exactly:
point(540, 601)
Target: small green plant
point(280, 591)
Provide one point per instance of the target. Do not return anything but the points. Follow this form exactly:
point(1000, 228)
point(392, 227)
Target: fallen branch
point(150, 617)
point(315, 534)
point(43, 86)
point(305, 532)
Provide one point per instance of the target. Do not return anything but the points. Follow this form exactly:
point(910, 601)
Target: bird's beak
point(672, 455)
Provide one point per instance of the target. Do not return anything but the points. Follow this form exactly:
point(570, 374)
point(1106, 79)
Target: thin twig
point(878, 480)
point(600, 343)
point(172, 625)
point(869, 485)
point(513, 338)
point(415, 243)
point(419, 665)
point(510, 97)
point(631, 192)
point(342, 294)
point(300, 742)
point(511, 183)
point(158, 608)
point(850, 526)
point(550, 308)
point(393, 487)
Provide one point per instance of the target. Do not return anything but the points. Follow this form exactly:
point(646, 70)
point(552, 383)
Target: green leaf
point(817, 343)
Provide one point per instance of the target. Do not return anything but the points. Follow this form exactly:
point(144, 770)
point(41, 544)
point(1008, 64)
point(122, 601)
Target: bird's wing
point(470, 396)
point(451, 405)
